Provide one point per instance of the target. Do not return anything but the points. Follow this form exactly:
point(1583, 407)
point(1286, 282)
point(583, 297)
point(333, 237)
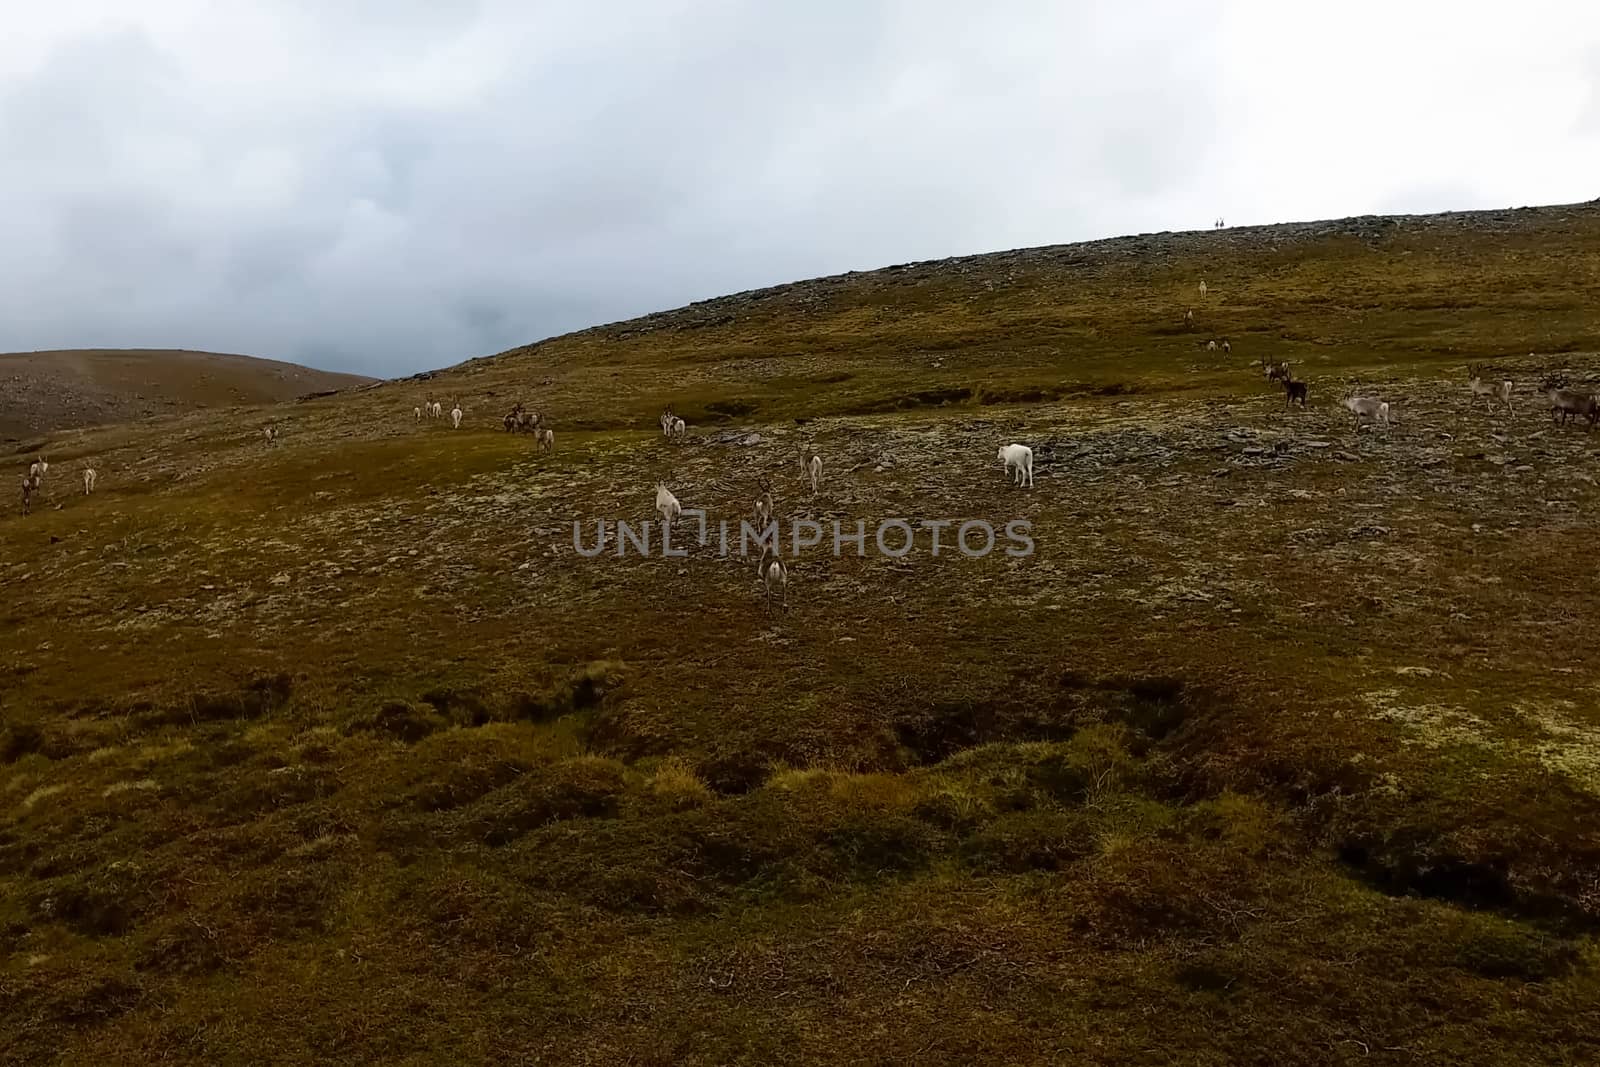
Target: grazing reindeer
point(435, 409)
point(455, 416)
point(1567, 403)
point(667, 504)
point(680, 429)
point(271, 434)
point(1018, 461)
point(1492, 392)
point(1188, 319)
point(1211, 346)
point(418, 413)
point(30, 485)
point(774, 575)
point(1293, 391)
point(1202, 288)
point(88, 480)
point(545, 439)
point(1366, 407)
point(764, 508)
point(1226, 348)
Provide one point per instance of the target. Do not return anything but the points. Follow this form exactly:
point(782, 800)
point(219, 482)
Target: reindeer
point(545, 439)
point(764, 508)
point(88, 480)
point(513, 420)
point(1293, 391)
point(1202, 288)
point(1492, 392)
point(1568, 403)
point(30, 485)
point(667, 419)
point(1226, 348)
point(1018, 460)
point(774, 575)
point(271, 435)
point(811, 467)
point(1367, 407)
point(667, 504)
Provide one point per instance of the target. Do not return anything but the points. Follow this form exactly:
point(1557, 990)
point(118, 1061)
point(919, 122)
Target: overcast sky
point(386, 186)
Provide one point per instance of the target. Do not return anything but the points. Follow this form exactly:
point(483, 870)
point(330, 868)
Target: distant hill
point(63, 389)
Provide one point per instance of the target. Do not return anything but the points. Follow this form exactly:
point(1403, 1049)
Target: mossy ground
point(338, 752)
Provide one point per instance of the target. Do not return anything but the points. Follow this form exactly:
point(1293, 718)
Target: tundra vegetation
point(1282, 746)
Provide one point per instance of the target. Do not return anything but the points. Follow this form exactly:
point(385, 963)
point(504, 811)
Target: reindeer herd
point(1566, 404)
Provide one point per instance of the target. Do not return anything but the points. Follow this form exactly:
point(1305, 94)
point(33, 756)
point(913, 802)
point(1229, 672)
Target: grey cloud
point(567, 171)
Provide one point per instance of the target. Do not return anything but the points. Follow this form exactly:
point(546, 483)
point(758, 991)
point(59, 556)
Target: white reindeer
point(435, 409)
point(811, 467)
point(1366, 407)
point(545, 439)
point(667, 504)
point(36, 470)
point(667, 419)
point(774, 576)
point(1211, 346)
point(679, 428)
point(1202, 288)
point(88, 480)
point(418, 413)
point(455, 416)
point(270, 434)
point(1018, 458)
point(1492, 392)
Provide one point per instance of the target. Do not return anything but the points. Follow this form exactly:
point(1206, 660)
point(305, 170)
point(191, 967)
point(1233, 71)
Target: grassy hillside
point(1282, 748)
point(87, 387)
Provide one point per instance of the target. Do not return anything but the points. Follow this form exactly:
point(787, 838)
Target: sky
point(388, 186)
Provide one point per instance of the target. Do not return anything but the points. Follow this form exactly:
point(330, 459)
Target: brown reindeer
point(1566, 404)
point(1293, 391)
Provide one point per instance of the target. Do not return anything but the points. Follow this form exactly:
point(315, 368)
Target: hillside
point(68, 389)
point(1282, 747)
